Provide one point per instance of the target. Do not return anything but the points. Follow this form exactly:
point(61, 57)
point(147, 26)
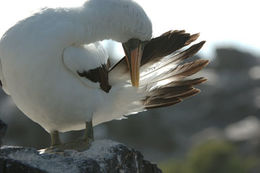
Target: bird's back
point(34, 75)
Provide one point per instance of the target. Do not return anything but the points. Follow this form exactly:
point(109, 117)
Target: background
point(216, 131)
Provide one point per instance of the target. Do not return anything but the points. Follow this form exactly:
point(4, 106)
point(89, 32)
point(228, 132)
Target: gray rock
point(3, 128)
point(247, 129)
point(104, 156)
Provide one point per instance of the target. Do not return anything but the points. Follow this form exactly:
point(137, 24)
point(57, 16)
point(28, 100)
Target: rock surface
point(104, 156)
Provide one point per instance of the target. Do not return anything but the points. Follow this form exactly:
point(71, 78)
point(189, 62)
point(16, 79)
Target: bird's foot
point(78, 145)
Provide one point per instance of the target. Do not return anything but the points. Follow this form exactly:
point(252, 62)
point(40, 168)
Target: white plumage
point(56, 71)
point(40, 57)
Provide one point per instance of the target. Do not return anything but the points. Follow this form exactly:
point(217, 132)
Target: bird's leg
point(55, 144)
point(88, 134)
point(82, 144)
point(55, 138)
point(79, 145)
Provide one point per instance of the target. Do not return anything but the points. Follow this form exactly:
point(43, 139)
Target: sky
point(231, 23)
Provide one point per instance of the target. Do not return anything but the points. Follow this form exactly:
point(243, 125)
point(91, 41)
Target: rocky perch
point(104, 156)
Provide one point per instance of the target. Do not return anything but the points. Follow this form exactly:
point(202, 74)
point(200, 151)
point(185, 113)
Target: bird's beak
point(134, 52)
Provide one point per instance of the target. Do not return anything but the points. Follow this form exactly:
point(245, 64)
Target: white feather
point(41, 55)
point(75, 57)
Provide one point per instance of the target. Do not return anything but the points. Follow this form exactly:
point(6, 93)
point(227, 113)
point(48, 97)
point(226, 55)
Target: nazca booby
point(57, 72)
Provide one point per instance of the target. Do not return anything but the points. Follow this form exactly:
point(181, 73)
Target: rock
point(247, 129)
point(102, 157)
point(3, 128)
point(230, 59)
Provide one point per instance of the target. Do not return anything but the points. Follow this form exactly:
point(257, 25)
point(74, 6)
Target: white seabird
point(58, 74)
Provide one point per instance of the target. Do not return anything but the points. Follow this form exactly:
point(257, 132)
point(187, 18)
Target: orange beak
point(134, 52)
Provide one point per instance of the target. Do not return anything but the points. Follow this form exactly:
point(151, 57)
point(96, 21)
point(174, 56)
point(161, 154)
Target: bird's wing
point(163, 72)
point(163, 76)
point(89, 64)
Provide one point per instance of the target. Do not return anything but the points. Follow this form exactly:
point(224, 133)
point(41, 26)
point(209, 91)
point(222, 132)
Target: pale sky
point(220, 22)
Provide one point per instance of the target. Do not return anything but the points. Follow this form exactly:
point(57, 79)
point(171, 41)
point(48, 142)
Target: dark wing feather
point(166, 44)
point(160, 102)
point(191, 82)
point(162, 71)
point(179, 72)
point(99, 74)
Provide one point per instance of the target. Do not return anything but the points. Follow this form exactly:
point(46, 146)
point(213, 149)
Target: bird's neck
point(100, 26)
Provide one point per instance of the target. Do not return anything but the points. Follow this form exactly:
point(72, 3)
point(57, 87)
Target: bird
point(57, 72)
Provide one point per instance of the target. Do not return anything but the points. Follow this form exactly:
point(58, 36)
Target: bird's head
point(125, 21)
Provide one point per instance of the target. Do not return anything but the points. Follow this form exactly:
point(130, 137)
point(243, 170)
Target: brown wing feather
point(190, 68)
point(166, 44)
point(181, 71)
point(160, 102)
point(191, 82)
point(161, 63)
point(168, 95)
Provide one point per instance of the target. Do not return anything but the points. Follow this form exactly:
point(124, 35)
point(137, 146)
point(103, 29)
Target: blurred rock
point(231, 59)
point(102, 157)
point(247, 129)
point(3, 128)
point(207, 135)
